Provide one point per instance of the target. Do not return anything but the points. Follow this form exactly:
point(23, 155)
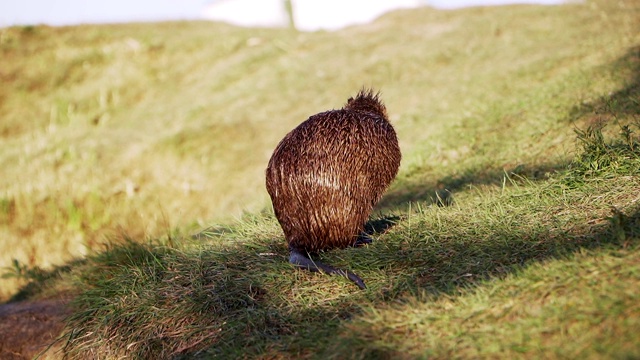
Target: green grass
point(583, 307)
point(119, 141)
point(487, 278)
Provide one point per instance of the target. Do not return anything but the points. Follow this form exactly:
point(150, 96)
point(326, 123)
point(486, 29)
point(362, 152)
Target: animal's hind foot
point(300, 260)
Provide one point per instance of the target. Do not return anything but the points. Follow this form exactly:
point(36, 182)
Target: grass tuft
point(617, 157)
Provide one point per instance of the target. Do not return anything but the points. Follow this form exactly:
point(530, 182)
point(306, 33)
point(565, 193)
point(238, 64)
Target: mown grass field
point(132, 182)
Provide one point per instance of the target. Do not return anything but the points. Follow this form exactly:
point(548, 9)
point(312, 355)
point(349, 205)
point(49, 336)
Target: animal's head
point(367, 101)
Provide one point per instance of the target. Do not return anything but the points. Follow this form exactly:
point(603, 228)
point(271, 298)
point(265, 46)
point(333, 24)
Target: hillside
point(120, 142)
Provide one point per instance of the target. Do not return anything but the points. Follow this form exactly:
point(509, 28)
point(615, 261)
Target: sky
point(72, 12)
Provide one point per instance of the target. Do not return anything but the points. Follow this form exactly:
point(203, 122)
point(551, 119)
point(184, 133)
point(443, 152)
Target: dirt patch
point(29, 327)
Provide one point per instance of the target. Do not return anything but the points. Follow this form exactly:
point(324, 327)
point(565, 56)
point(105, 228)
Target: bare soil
point(27, 328)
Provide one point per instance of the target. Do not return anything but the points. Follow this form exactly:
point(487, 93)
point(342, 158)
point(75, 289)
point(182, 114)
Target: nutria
point(326, 175)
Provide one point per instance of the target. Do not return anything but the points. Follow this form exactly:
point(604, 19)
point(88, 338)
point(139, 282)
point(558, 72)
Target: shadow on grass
point(381, 224)
point(621, 104)
point(472, 262)
point(442, 191)
point(247, 301)
point(38, 279)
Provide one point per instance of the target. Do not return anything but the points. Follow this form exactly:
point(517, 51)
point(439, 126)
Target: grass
point(558, 309)
point(139, 135)
point(443, 282)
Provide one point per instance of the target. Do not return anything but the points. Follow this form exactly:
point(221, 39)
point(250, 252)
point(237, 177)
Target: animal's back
point(326, 175)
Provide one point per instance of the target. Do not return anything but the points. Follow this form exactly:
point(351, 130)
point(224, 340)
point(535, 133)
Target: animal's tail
point(304, 262)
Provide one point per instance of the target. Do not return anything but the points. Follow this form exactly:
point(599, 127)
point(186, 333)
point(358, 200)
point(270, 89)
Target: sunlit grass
point(488, 277)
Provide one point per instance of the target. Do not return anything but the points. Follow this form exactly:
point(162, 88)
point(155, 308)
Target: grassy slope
point(128, 128)
point(177, 122)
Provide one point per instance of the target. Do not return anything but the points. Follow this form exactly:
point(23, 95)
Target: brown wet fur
point(326, 175)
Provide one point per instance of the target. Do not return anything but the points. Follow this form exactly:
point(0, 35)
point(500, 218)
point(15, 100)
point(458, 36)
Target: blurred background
point(304, 14)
